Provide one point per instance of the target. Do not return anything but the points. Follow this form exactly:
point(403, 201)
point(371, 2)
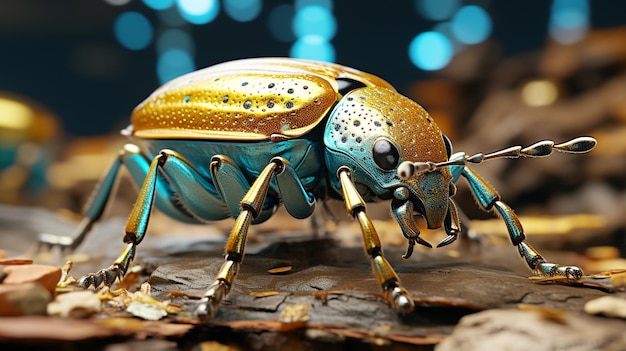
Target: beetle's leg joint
point(343, 169)
point(163, 156)
point(375, 251)
point(234, 256)
point(280, 164)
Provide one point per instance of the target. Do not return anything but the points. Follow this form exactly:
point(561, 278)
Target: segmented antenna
point(540, 149)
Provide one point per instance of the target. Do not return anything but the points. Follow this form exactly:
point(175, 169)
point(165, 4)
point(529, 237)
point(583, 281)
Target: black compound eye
point(385, 154)
point(448, 143)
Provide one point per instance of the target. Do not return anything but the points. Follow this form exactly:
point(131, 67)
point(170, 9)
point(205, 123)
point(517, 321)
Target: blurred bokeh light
point(113, 53)
point(243, 10)
point(133, 30)
point(199, 11)
point(430, 51)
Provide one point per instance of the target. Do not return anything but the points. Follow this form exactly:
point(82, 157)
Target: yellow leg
point(135, 231)
point(251, 206)
point(387, 277)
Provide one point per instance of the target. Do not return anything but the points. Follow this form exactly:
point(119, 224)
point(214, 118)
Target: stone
point(513, 330)
point(23, 299)
point(75, 304)
point(610, 306)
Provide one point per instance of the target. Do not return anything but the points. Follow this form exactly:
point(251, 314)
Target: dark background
point(63, 53)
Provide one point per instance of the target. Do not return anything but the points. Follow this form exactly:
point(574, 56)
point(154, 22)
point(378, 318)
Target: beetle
point(243, 137)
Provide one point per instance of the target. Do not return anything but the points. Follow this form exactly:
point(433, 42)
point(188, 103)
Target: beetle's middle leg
point(489, 200)
point(251, 207)
point(387, 277)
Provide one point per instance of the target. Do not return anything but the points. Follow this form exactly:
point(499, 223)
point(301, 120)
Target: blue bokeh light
point(174, 38)
point(198, 11)
point(133, 30)
point(243, 10)
point(327, 4)
point(471, 25)
point(159, 4)
point(445, 28)
point(279, 22)
point(173, 63)
point(578, 5)
point(569, 20)
point(313, 47)
point(430, 51)
point(171, 17)
point(437, 10)
point(314, 20)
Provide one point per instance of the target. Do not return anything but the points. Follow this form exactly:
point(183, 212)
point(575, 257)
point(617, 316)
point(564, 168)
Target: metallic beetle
point(240, 138)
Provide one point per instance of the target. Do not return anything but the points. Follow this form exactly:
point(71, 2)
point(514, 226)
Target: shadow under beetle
point(240, 138)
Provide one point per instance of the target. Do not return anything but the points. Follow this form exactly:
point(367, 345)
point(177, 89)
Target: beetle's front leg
point(489, 199)
point(251, 207)
point(387, 277)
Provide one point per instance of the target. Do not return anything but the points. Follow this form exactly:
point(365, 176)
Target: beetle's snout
point(429, 194)
point(435, 210)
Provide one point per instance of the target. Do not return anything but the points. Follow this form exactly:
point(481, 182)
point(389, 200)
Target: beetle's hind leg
point(138, 166)
point(387, 277)
point(92, 211)
point(250, 208)
point(179, 180)
point(489, 200)
point(135, 231)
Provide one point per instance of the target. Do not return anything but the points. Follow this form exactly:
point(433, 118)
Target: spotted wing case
point(252, 99)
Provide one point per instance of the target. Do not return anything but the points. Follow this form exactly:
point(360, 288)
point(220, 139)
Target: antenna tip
point(577, 145)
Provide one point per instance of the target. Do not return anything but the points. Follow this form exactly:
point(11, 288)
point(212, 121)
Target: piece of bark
point(343, 295)
point(41, 329)
point(47, 276)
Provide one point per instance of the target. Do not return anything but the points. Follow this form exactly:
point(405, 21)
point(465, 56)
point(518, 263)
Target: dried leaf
point(610, 280)
point(264, 293)
point(280, 270)
point(15, 261)
point(123, 298)
point(131, 277)
point(66, 279)
point(183, 294)
point(618, 280)
point(147, 311)
point(295, 313)
point(557, 278)
point(216, 346)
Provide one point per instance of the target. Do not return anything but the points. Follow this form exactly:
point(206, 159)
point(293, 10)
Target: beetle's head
point(372, 131)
